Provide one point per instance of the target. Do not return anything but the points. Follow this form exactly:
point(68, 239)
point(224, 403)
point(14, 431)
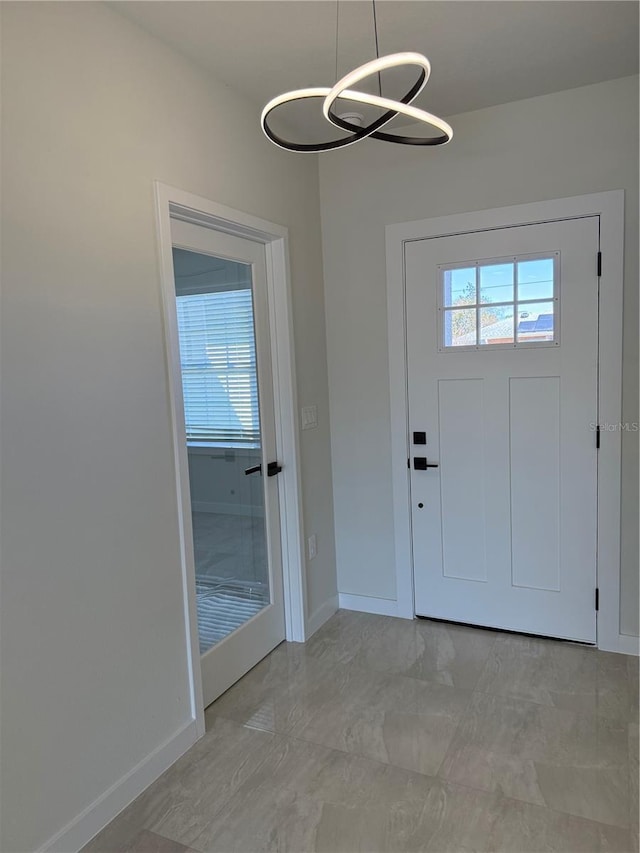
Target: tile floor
point(388, 735)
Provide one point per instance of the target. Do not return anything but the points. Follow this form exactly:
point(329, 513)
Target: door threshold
point(507, 631)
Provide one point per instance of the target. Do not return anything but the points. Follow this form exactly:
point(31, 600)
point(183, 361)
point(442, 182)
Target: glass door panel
point(216, 331)
point(224, 341)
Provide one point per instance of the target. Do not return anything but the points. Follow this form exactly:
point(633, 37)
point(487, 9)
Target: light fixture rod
point(375, 32)
point(337, 31)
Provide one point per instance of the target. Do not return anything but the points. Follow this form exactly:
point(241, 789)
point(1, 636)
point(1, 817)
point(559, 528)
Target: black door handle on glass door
point(272, 469)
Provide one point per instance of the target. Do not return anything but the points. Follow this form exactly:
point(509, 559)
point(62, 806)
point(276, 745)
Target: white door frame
point(172, 202)
point(609, 206)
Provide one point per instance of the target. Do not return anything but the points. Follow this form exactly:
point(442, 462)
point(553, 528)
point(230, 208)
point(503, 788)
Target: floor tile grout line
point(486, 663)
point(436, 778)
point(580, 713)
point(381, 672)
point(501, 696)
point(496, 695)
point(414, 623)
point(463, 715)
point(189, 847)
point(338, 750)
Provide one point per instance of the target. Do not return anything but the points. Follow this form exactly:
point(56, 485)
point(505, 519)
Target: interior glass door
point(222, 329)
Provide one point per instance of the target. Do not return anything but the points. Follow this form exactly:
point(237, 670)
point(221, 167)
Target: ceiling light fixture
point(353, 122)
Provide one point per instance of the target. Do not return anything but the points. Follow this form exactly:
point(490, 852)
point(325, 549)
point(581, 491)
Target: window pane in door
point(460, 327)
point(496, 283)
point(496, 325)
point(535, 321)
point(535, 279)
point(459, 286)
point(222, 418)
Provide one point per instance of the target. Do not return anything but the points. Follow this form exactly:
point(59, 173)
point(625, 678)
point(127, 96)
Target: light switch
point(309, 417)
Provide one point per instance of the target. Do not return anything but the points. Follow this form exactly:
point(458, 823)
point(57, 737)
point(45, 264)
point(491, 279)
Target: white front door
point(222, 324)
point(502, 352)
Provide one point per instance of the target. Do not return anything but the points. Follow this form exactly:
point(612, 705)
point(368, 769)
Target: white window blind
point(218, 360)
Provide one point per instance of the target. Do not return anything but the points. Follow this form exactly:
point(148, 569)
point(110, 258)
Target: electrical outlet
point(312, 546)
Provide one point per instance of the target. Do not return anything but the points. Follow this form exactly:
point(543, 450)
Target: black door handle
point(420, 463)
point(272, 469)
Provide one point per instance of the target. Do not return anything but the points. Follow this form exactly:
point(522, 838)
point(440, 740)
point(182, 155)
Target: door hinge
point(598, 437)
point(409, 464)
point(599, 264)
point(597, 599)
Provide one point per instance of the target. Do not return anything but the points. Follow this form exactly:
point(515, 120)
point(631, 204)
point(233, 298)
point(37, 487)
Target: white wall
point(569, 143)
point(94, 666)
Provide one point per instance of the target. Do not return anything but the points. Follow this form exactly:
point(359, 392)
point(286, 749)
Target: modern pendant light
point(352, 121)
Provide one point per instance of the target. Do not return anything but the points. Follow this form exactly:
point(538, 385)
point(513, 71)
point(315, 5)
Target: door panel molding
point(609, 206)
point(171, 202)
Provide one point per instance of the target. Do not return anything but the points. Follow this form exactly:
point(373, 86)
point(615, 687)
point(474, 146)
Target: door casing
point(609, 206)
point(178, 204)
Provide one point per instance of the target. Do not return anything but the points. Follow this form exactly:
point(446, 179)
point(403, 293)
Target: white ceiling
point(482, 53)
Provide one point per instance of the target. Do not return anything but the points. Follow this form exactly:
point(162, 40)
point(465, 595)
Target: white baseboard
point(228, 509)
point(367, 604)
point(96, 816)
point(321, 615)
